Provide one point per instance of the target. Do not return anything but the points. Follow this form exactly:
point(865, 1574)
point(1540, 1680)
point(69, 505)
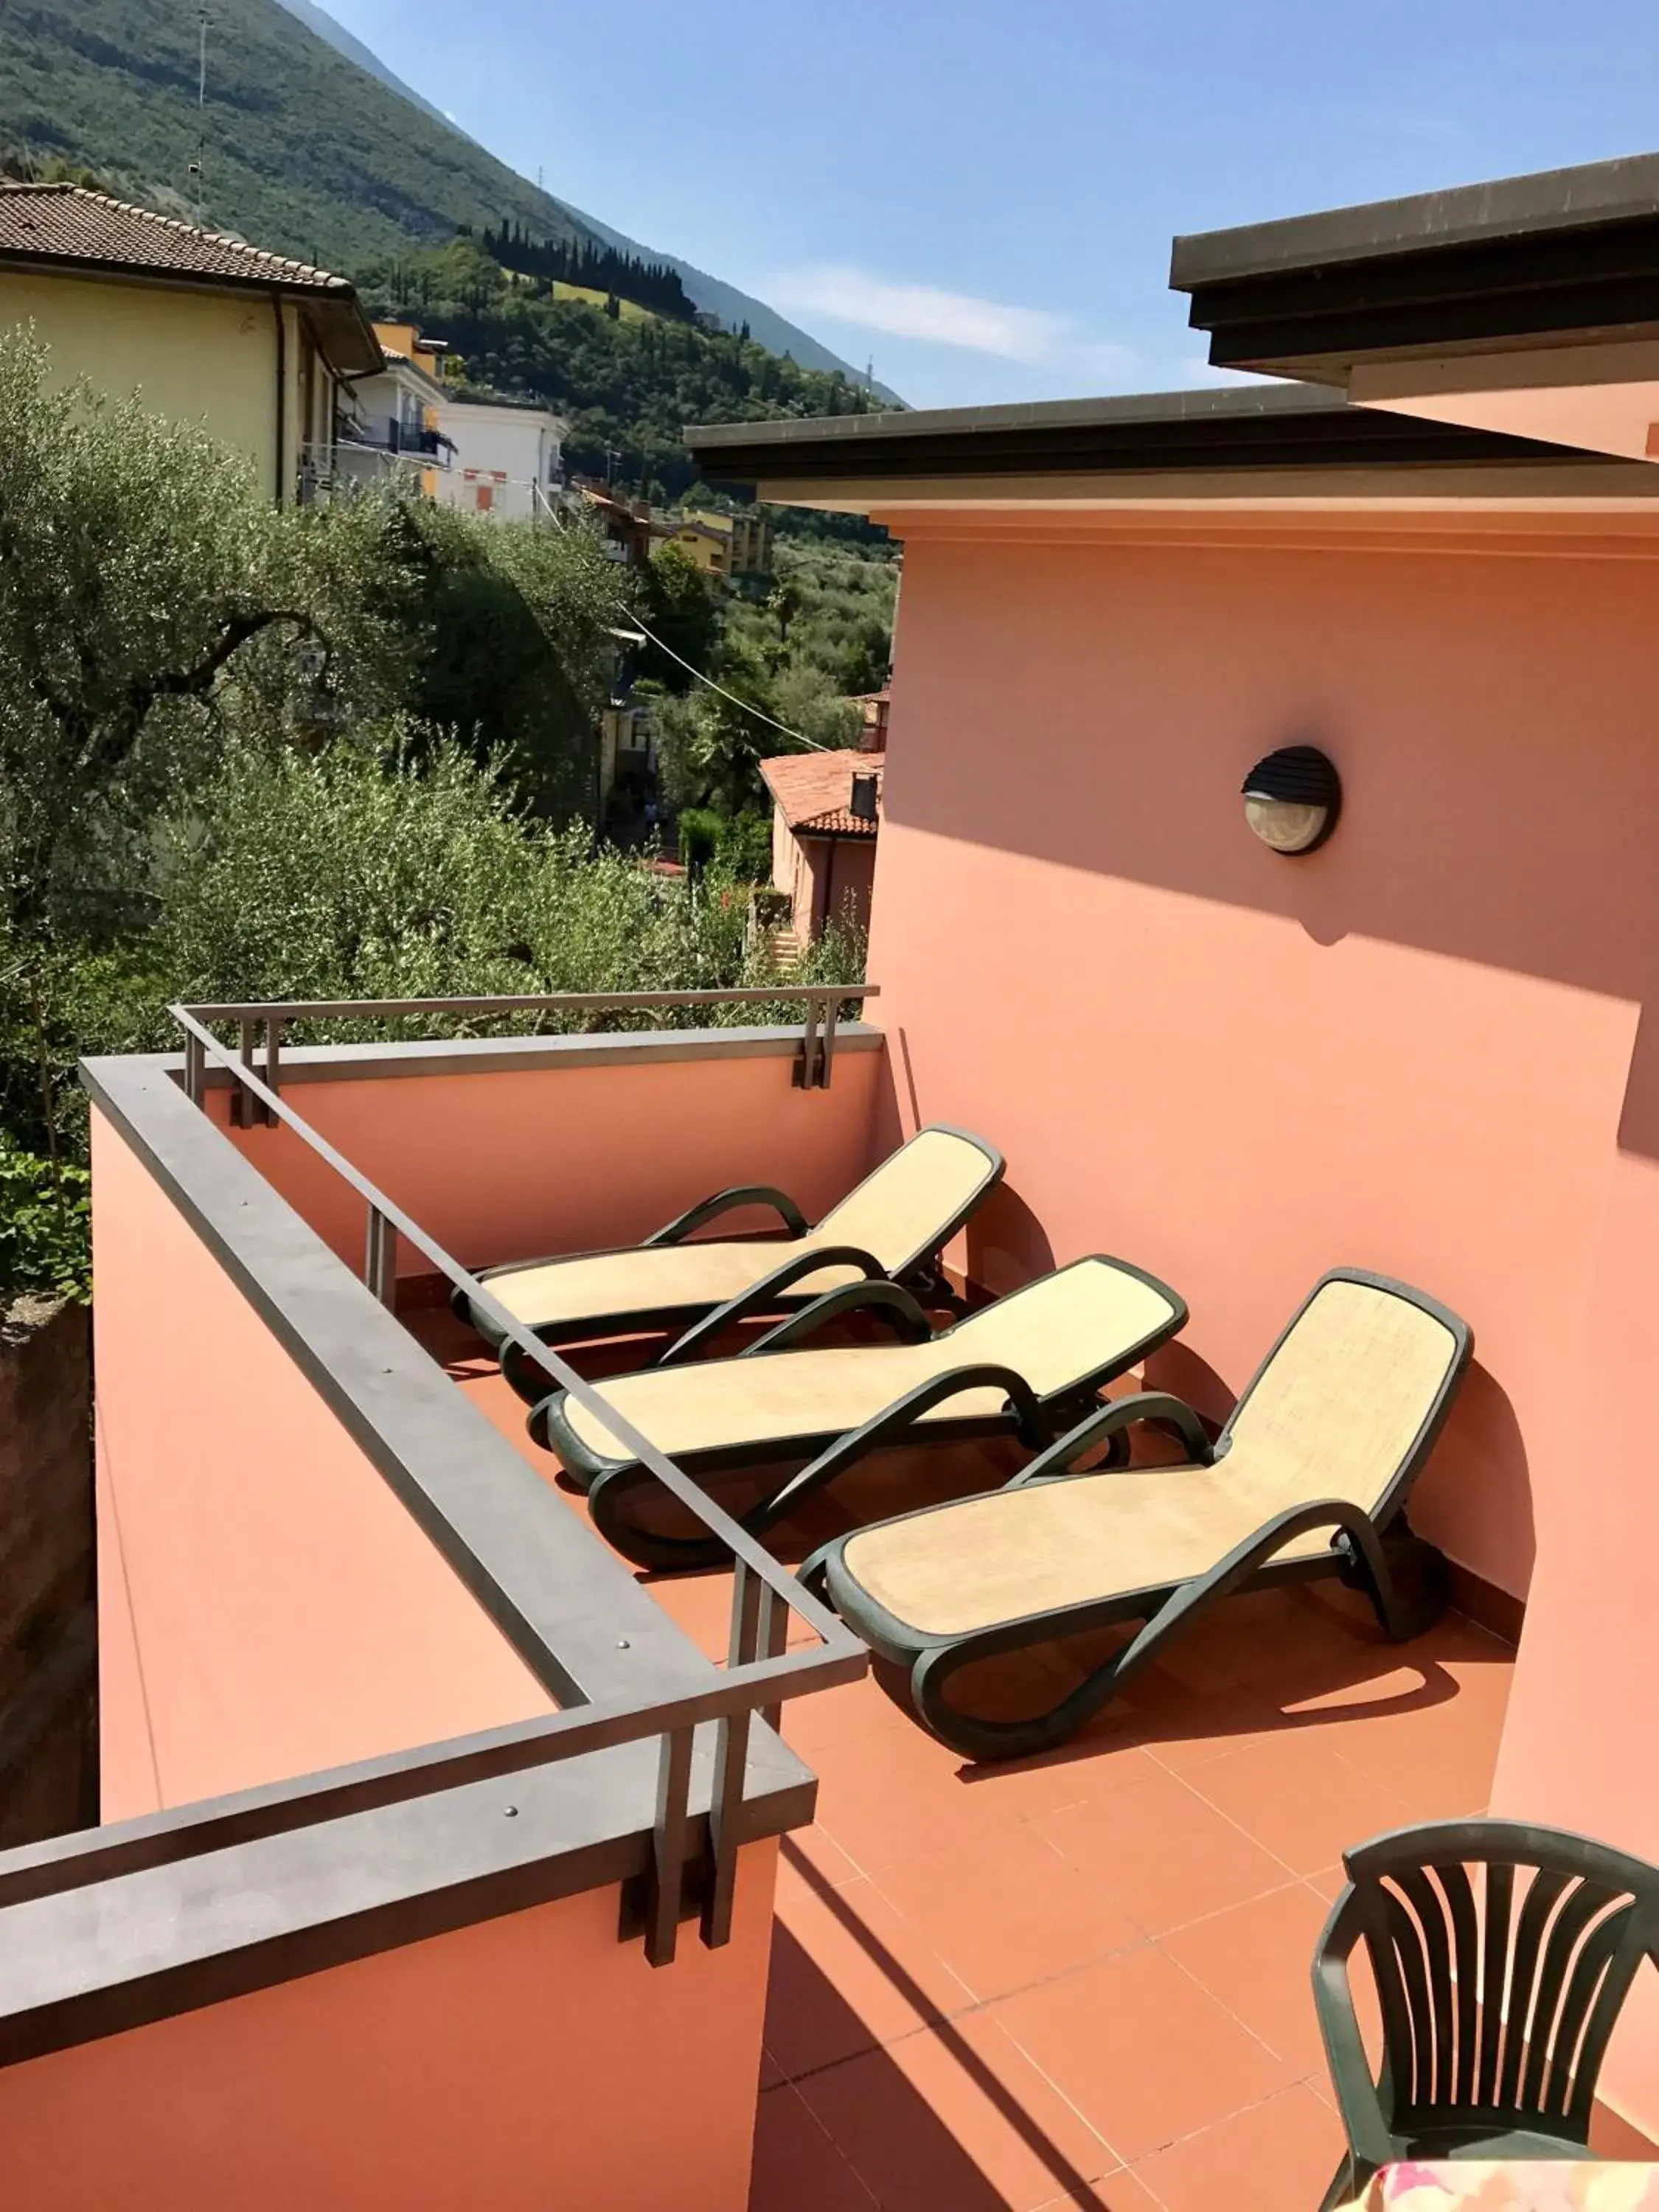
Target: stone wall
point(48, 1620)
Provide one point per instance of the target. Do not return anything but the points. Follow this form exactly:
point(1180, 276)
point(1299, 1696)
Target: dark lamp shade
point(1292, 799)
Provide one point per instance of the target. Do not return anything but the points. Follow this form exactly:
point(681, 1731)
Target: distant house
point(506, 458)
point(700, 541)
point(826, 817)
point(724, 546)
point(626, 525)
point(876, 706)
point(259, 350)
point(390, 420)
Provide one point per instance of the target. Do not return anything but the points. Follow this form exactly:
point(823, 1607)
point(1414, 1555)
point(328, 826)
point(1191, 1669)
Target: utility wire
point(811, 744)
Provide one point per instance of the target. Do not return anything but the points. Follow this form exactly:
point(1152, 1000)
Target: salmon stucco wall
point(1410, 1051)
point(529, 2064)
point(1431, 1047)
point(267, 1606)
point(567, 1158)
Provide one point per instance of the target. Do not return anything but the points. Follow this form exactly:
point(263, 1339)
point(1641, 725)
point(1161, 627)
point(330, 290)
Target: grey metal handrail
point(759, 1674)
point(820, 1005)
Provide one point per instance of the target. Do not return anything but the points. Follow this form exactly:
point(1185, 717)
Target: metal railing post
point(380, 1257)
point(771, 1634)
point(273, 1061)
point(243, 1108)
point(668, 1847)
point(827, 1050)
point(806, 1075)
point(731, 1765)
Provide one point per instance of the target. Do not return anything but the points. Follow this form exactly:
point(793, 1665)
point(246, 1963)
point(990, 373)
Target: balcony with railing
point(443, 1852)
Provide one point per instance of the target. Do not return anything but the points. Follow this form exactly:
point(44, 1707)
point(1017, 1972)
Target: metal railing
point(820, 1005)
point(759, 1675)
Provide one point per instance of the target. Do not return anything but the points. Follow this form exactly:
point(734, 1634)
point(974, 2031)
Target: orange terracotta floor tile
point(1082, 1979)
point(957, 2120)
point(1278, 2156)
point(797, 2168)
point(1254, 1958)
point(1162, 1854)
point(1005, 1910)
point(1302, 1800)
point(849, 1973)
point(1146, 2055)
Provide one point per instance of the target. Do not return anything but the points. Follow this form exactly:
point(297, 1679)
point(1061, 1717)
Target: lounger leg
point(1409, 1588)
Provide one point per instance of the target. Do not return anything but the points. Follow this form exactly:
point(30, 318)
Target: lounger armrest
point(889, 1426)
point(761, 1296)
point(886, 1302)
point(1062, 1457)
point(1371, 2140)
point(728, 1201)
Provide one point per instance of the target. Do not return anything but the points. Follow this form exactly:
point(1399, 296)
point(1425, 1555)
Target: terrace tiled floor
point(1083, 1980)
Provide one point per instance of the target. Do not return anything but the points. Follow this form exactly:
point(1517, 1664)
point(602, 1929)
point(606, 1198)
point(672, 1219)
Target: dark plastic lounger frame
point(703, 1323)
point(1405, 1578)
point(1464, 2075)
point(611, 1484)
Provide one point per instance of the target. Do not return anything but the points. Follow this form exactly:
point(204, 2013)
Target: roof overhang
point(1529, 307)
point(345, 337)
point(1280, 455)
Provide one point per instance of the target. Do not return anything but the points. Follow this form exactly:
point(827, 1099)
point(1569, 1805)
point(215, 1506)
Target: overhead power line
point(812, 744)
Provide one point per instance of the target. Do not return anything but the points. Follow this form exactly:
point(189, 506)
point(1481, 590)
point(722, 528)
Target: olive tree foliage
point(144, 579)
point(507, 631)
point(160, 615)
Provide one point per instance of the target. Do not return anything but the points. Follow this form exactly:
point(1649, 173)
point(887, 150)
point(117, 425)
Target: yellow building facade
point(253, 347)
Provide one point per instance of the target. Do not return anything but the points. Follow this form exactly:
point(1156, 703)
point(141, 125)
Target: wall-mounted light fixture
point(1292, 799)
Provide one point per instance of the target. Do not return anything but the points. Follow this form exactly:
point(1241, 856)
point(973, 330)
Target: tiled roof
point(815, 790)
point(838, 822)
point(67, 222)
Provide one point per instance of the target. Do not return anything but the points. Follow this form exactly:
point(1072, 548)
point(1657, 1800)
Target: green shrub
point(44, 1217)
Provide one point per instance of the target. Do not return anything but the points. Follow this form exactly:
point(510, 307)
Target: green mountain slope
point(711, 294)
point(307, 142)
point(299, 150)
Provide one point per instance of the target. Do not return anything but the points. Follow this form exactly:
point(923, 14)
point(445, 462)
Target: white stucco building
point(505, 457)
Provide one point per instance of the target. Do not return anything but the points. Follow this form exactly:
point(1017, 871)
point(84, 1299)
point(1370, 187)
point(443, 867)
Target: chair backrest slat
point(1578, 1909)
point(1419, 2001)
point(1427, 1904)
point(1542, 1897)
point(1606, 1964)
point(1499, 1905)
point(1459, 1892)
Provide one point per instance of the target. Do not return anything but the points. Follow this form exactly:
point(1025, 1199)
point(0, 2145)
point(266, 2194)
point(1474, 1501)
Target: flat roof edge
point(1584, 197)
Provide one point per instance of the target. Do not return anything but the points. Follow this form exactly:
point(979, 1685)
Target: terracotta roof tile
point(838, 822)
point(815, 790)
point(67, 222)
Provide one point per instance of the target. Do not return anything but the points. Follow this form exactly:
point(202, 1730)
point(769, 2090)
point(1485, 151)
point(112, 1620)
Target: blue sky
point(982, 193)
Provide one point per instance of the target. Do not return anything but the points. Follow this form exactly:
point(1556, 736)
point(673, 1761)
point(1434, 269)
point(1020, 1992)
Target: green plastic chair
point(1498, 1996)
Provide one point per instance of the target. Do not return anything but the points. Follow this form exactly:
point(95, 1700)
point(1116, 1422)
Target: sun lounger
point(1027, 1364)
point(1309, 1477)
point(892, 1227)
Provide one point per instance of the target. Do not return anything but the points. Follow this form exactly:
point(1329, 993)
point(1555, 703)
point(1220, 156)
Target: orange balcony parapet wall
point(379, 1712)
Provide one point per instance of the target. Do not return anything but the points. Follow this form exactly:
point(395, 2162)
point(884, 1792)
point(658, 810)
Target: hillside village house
point(448, 1861)
point(390, 420)
point(260, 349)
point(505, 457)
point(826, 817)
point(724, 546)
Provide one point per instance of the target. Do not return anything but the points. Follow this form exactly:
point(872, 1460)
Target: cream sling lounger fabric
point(1029, 1364)
point(893, 1227)
point(1309, 1477)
